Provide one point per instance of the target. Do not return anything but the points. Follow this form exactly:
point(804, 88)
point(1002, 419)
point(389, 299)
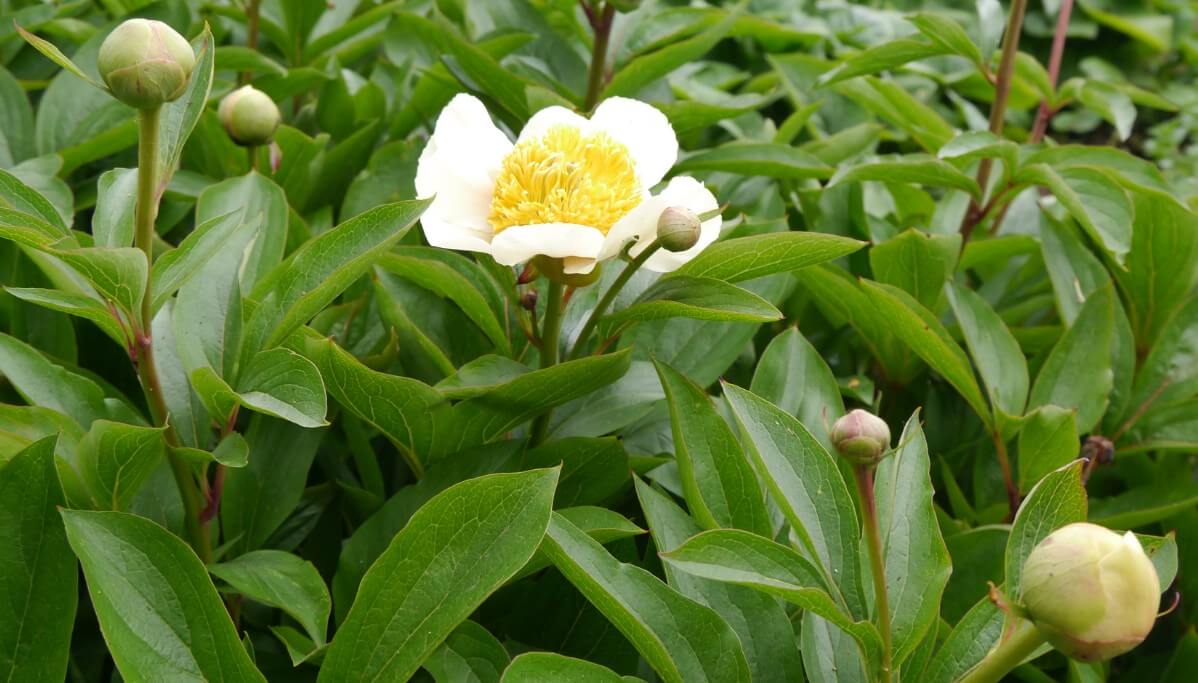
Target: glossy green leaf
point(684, 296)
point(721, 488)
point(1077, 373)
point(681, 639)
point(115, 459)
point(995, 352)
point(757, 158)
point(39, 587)
point(792, 375)
point(805, 482)
point(456, 550)
point(1095, 200)
point(282, 383)
point(282, 580)
point(1047, 441)
point(919, 169)
point(160, 614)
point(55, 55)
point(1162, 262)
point(470, 653)
point(916, 262)
point(642, 71)
point(917, 561)
point(177, 119)
point(883, 57)
point(252, 195)
point(1059, 499)
point(173, 269)
point(746, 258)
point(534, 667)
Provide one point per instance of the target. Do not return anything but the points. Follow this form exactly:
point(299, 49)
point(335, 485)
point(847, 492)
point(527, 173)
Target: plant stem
point(998, 110)
point(146, 211)
point(610, 296)
point(252, 14)
point(869, 514)
point(551, 332)
point(1054, 68)
point(1004, 462)
point(602, 25)
point(1009, 654)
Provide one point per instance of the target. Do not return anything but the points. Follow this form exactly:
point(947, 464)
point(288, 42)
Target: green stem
point(609, 296)
point(1009, 654)
point(551, 331)
point(602, 25)
point(146, 211)
point(998, 109)
point(869, 514)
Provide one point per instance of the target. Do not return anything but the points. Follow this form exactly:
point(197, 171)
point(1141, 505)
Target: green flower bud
point(861, 437)
point(249, 116)
point(145, 63)
point(678, 229)
point(1092, 593)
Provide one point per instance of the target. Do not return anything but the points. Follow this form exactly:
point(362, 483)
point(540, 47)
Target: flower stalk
point(609, 297)
point(146, 212)
point(1010, 653)
point(998, 110)
point(864, 474)
point(602, 24)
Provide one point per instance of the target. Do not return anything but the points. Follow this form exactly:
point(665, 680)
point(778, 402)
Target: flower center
point(565, 177)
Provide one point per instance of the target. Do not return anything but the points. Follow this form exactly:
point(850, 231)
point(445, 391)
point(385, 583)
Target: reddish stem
point(1054, 69)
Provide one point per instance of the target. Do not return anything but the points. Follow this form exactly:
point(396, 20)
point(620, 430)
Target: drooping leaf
point(281, 580)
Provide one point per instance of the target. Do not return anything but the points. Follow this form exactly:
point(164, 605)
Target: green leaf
point(443, 280)
point(251, 194)
point(1077, 373)
point(749, 560)
point(683, 296)
point(917, 561)
point(1162, 262)
point(55, 55)
point(115, 459)
point(793, 376)
point(174, 268)
point(721, 488)
point(160, 615)
point(806, 483)
point(919, 169)
point(39, 591)
point(1076, 273)
point(593, 470)
point(300, 287)
point(178, 118)
point(757, 159)
point(43, 383)
point(282, 580)
point(747, 258)
point(428, 581)
point(950, 35)
point(892, 102)
point(74, 304)
point(759, 620)
point(405, 410)
point(1047, 441)
point(966, 644)
point(116, 199)
point(17, 197)
point(537, 667)
point(1096, 201)
point(117, 273)
point(240, 58)
point(916, 262)
point(644, 70)
point(282, 383)
point(995, 352)
point(924, 335)
point(1115, 107)
point(883, 57)
point(981, 144)
point(259, 497)
point(1152, 29)
point(1059, 499)
point(681, 639)
point(471, 654)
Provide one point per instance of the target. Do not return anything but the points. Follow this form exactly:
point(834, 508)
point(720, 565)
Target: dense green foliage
point(255, 424)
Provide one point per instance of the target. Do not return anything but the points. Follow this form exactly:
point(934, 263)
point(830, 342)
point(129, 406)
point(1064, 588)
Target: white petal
point(691, 194)
point(579, 243)
point(547, 118)
point(645, 131)
point(459, 165)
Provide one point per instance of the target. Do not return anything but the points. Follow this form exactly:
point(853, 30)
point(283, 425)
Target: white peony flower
point(570, 188)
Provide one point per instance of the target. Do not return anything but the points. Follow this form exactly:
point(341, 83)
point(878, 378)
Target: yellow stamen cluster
point(565, 177)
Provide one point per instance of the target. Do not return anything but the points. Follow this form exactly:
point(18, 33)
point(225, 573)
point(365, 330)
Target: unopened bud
point(145, 63)
point(861, 437)
point(1092, 593)
point(678, 229)
point(528, 300)
point(249, 116)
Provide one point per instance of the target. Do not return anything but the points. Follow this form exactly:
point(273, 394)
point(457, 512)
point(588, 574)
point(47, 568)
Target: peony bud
point(1092, 593)
point(678, 229)
point(861, 437)
point(145, 63)
point(249, 116)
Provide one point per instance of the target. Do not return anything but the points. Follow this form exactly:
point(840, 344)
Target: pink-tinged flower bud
point(249, 116)
point(145, 63)
point(861, 437)
point(1092, 593)
point(678, 229)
